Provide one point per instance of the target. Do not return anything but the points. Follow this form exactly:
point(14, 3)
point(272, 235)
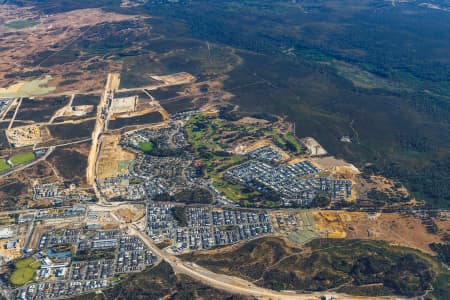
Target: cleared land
point(24, 135)
point(112, 159)
point(130, 213)
point(33, 50)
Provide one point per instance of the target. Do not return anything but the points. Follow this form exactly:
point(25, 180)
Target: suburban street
point(230, 284)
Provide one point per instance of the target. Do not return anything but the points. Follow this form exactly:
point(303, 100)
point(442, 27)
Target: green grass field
point(3, 165)
point(21, 158)
point(124, 164)
point(302, 237)
point(25, 270)
point(24, 262)
point(147, 146)
point(22, 276)
point(21, 24)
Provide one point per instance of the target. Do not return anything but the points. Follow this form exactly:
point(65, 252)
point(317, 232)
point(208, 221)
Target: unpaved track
point(15, 113)
point(61, 111)
point(5, 112)
point(112, 84)
point(232, 284)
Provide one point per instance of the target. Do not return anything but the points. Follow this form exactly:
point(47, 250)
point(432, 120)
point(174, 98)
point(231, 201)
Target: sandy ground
point(59, 29)
point(251, 120)
point(313, 146)
point(110, 156)
point(177, 78)
point(243, 149)
point(392, 227)
point(334, 165)
point(130, 213)
point(23, 135)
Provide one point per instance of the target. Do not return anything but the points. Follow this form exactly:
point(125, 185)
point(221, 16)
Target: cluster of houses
point(296, 183)
point(205, 226)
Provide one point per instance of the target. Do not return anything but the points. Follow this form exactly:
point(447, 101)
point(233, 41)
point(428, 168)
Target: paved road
point(22, 167)
point(231, 284)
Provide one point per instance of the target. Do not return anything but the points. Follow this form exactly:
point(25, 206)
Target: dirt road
point(112, 84)
point(15, 113)
point(232, 284)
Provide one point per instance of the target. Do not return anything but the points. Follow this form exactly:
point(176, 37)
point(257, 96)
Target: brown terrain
point(53, 34)
point(69, 162)
point(16, 190)
point(111, 155)
point(396, 228)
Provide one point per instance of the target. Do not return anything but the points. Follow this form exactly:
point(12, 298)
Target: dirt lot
point(313, 146)
point(111, 157)
point(177, 78)
point(23, 135)
point(331, 224)
point(130, 213)
point(392, 227)
point(122, 105)
point(243, 149)
point(334, 165)
point(11, 253)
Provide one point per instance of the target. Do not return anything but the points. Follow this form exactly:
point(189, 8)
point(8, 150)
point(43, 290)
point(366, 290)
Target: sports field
point(25, 270)
point(147, 146)
point(303, 236)
point(3, 165)
point(21, 158)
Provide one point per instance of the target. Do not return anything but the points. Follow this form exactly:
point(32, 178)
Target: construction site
point(24, 135)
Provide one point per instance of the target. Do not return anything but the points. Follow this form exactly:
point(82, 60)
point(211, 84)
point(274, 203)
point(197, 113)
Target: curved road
point(232, 284)
point(24, 166)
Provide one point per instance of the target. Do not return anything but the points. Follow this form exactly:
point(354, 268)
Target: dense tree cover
point(93, 254)
point(332, 263)
point(179, 213)
point(403, 128)
point(443, 251)
point(159, 282)
point(375, 47)
point(381, 50)
point(430, 182)
point(320, 200)
point(194, 196)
